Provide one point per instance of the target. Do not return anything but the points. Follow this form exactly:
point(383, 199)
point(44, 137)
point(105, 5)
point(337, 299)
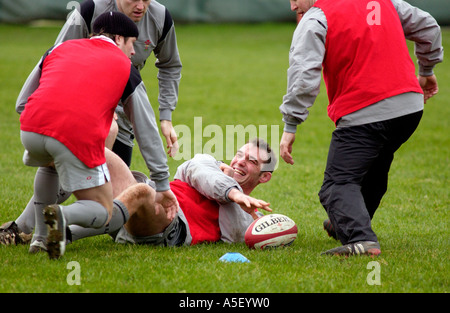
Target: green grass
point(236, 74)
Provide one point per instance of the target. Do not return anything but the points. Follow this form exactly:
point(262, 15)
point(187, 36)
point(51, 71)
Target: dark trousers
point(356, 175)
point(123, 151)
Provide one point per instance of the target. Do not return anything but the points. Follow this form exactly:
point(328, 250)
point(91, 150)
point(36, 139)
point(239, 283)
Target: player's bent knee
point(137, 196)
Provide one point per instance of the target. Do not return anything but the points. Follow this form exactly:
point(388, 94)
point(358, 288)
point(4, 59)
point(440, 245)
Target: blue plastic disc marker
point(234, 257)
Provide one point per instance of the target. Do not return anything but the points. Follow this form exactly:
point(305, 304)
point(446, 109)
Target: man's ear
point(265, 177)
point(118, 39)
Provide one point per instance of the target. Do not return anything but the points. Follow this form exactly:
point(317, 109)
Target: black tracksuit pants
point(356, 175)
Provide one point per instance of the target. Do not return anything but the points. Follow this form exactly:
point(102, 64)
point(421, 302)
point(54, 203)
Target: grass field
point(236, 75)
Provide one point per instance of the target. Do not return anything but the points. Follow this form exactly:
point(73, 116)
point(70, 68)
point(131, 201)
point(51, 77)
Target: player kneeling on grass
point(64, 125)
point(214, 198)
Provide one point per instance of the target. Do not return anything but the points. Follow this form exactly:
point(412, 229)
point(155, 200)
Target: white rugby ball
point(270, 231)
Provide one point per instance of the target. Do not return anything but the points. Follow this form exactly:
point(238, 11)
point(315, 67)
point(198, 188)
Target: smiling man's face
point(247, 164)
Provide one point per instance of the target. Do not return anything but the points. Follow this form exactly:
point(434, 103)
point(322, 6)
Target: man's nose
point(241, 160)
point(293, 6)
point(140, 5)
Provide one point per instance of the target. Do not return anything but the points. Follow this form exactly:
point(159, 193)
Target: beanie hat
point(115, 23)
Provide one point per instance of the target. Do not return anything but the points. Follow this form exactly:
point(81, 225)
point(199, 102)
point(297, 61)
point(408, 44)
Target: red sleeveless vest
point(201, 213)
point(366, 58)
point(80, 86)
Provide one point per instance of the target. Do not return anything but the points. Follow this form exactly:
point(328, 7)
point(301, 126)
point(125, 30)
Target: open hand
point(171, 137)
point(287, 140)
point(168, 201)
point(429, 86)
point(247, 203)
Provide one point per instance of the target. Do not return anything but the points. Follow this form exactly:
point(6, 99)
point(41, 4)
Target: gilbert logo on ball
point(270, 231)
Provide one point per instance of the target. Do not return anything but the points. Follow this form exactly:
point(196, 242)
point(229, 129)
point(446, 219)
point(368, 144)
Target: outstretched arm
point(247, 203)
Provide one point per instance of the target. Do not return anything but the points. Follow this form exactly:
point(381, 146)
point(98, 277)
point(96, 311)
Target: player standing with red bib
point(375, 100)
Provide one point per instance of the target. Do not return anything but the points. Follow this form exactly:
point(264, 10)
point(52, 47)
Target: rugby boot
point(10, 234)
point(56, 224)
point(37, 246)
point(370, 248)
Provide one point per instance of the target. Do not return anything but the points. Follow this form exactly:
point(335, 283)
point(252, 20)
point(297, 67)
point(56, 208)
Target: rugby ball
point(270, 231)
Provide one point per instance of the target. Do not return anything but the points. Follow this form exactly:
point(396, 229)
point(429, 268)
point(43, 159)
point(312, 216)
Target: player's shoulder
point(157, 7)
point(203, 157)
point(100, 6)
point(101, 3)
point(91, 9)
point(159, 15)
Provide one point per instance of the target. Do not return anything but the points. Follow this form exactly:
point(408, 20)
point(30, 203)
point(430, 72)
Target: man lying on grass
point(214, 199)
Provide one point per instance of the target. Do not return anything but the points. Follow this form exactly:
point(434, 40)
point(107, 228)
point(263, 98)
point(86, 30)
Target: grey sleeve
point(203, 173)
point(305, 68)
point(139, 111)
point(30, 86)
point(32, 82)
point(74, 28)
point(169, 67)
point(420, 27)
